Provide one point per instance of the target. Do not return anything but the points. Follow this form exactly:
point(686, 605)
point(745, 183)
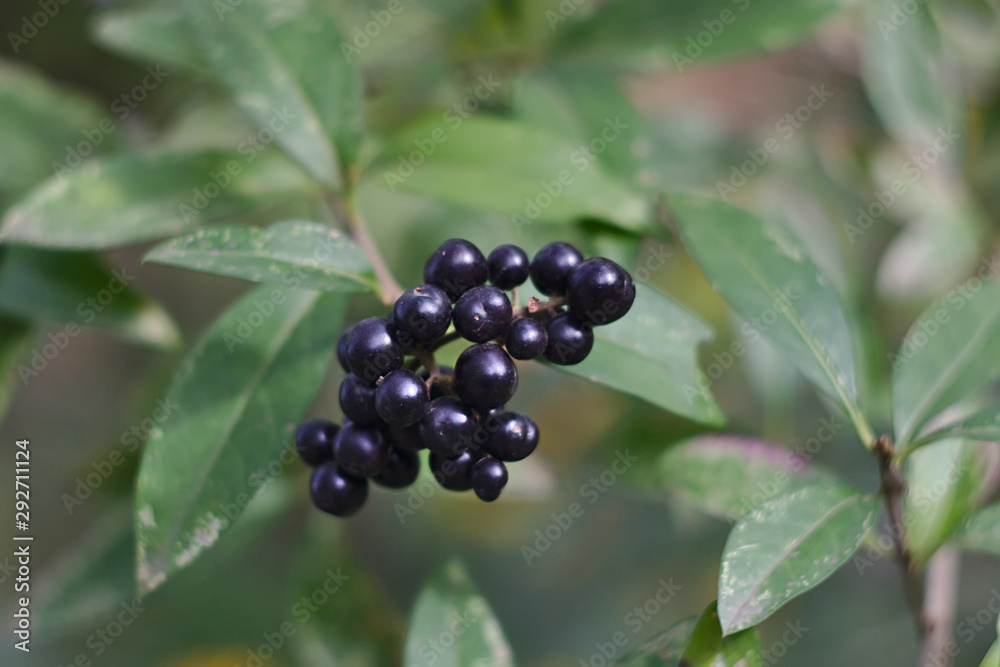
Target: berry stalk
point(353, 222)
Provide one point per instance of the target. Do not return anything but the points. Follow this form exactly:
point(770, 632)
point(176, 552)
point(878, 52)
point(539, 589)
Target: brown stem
point(354, 223)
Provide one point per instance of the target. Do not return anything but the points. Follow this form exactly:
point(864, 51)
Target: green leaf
point(787, 546)
point(78, 290)
point(285, 66)
point(521, 177)
point(766, 275)
point(292, 252)
point(664, 650)
point(652, 354)
point(981, 531)
point(949, 354)
point(15, 337)
point(992, 658)
point(240, 394)
point(944, 485)
point(709, 647)
point(128, 199)
point(156, 34)
point(983, 425)
point(727, 476)
point(447, 601)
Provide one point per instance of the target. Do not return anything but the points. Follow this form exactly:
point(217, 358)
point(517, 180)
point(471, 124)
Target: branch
point(940, 605)
point(354, 224)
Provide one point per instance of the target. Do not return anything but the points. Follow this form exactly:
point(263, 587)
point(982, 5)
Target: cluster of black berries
point(393, 411)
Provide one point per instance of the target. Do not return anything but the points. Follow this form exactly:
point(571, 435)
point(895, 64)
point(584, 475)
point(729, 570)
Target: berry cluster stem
point(353, 222)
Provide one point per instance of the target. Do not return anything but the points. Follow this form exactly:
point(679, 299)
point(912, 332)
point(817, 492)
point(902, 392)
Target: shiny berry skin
point(449, 427)
point(342, 342)
point(508, 266)
point(485, 376)
point(454, 473)
point(600, 291)
point(336, 492)
point(357, 400)
point(489, 477)
point(526, 338)
point(512, 435)
point(456, 267)
point(402, 469)
point(570, 340)
point(405, 437)
point(373, 349)
point(483, 313)
point(361, 451)
point(552, 265)
point(314, 440)
point(401, 398)
point(422, 314)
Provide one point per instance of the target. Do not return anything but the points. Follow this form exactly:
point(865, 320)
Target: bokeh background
point(879, 93)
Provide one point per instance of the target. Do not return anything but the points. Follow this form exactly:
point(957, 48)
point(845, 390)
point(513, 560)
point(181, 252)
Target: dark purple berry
point(552, 265)
point(508, 266)
point(449, 427)
point(600, 291)
point(342, 342)
point(405, 437)
point(512, 435)
point(485, 376)
point(570, 340)
point(526, 338)
point(456, 267)
point(314, 440)
point(336, 492)
point(373, 349)
point(402, 469)
point(361, 451)
point(401, 398)
point(483, 313)
point(454, 473)
point(422, 314)
point(489, 476)
point(357, 401)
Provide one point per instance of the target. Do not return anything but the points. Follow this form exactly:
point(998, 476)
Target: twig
point(940, 603)
point(354, 223)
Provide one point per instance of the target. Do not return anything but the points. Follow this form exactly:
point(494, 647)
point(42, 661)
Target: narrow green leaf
point(981, 531)
point(664, 650)
point(533, 175)
point(292, 252)
point(727, 476)
point(285, 66)
point(787, 546)
point(992, 658)
point(15, 338)
point(155, 34)
point(983, 425)
point(78, 290)
point(447, 601)
point(239, 395)
point(652, 354)
point(766, 275)
point(949, 354)
point(128, 199)
point(709, 647)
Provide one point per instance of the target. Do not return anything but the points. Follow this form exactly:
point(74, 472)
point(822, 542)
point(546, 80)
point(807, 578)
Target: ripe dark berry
point(483, 313)
point(314, 440)
point(526, 338)
point(449, 427)
point(336, 492)
point(552, 265)
point(361, 451)
point(402, 469)
point(357, 400)
point(401, 398)
point(342, 342)
point(454, 473)
point(512, 435)
point(508, 266)
point(600, 291)
point(373, 349)
point(570, 340)
point(405, 437)
point(456, 267)
point(489, 476)
point(485, 376)
point(422, 314)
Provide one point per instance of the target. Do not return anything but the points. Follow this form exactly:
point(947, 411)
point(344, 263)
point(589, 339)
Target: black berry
point(456, 267)
point(483, 313)
point(422, 314)
point(485, 376)
point(512, 435)
point(373, 349)
point(405, 437)
point(342, 342)
point(570, 340)
point(508, 266)
point(552, 265)
point(402, 469)
point(361, 451)
point(336, 492)
point(454, 473)
point(401, 398)
point(489, 476)
point(314, 440)
point(600, 291)
point(449, 427)
point(526, 338)
point(357, 400)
